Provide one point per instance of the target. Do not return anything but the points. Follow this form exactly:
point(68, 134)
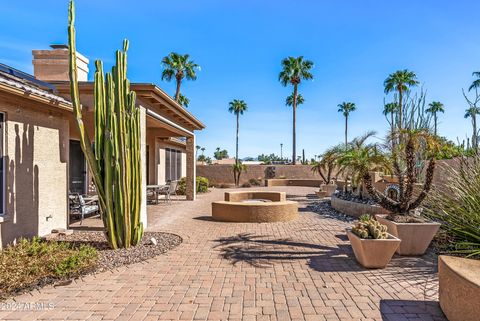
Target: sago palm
point(346, 108)
point(400, 81)
point(294, 70)
point(433, 108)
point(179, 67)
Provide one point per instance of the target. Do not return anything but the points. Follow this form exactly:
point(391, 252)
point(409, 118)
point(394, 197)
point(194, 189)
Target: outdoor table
point(156, 189)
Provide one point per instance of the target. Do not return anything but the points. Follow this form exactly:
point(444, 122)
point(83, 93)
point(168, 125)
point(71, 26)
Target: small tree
point(238, 168)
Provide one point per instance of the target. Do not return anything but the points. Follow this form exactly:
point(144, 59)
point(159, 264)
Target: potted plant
point(372, 245)
point(404, 220)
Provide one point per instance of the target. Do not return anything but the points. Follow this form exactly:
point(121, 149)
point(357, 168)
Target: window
point(173, 164)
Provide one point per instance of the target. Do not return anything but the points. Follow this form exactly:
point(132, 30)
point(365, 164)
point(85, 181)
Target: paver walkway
point(301, 270)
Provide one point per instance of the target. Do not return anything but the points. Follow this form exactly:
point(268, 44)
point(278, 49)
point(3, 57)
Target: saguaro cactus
point(115, 161)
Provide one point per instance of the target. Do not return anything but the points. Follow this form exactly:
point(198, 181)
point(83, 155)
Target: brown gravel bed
point(109, 259)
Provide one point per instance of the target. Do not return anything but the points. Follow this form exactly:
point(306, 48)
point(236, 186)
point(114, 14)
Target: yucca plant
point(115, 161)
point(457, 206)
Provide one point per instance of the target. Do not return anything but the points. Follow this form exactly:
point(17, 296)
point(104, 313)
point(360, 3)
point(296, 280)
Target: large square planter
point(416, 237)
point(459, 288)
point(371, 253)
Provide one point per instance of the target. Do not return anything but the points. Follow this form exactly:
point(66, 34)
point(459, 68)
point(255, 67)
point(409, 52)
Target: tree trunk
point(236, 145)
point(294, 136)
point(400, 109)
point(177, 92)
point(346, 132)
point(435, 123)
point(474, 137)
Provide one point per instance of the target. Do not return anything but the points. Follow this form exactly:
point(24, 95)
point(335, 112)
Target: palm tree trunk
point(294, 136)
point(435, 123)
point(392, 129)
point(177, 92)
point(346, 132)
point(474, 137)
point(236, 145)
point(400, 109)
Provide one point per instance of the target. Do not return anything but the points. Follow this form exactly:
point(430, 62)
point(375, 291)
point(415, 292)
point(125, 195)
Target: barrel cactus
point(368, 228)
point(114, 160)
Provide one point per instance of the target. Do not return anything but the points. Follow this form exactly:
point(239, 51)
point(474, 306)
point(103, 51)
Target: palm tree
point(476, 83)
point(391, 109)
point(346, 108)
point(183, 100)
point(400, 81)
point(289, 100)
point(473, 112)
point(433, 108)
point(197, 149)
point(178, 66)
point(203, 150)
point(294, 70)
point(237, 107)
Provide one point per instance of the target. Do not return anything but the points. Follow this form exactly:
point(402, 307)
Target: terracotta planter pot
point(416, 237)
point(459, 288)
point(373, 254)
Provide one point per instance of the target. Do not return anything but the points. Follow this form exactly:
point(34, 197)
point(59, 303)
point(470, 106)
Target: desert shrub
point(255, 182)
point(246, 184)
point(202, 185)
point(36, 262)
point(457, 206)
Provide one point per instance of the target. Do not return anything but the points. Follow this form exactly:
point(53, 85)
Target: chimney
point(52, 65)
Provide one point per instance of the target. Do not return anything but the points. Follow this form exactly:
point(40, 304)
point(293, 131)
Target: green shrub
point(255, 182)
point(456, 204)
point(202, 185)
point(33, 262)
point(246, 184)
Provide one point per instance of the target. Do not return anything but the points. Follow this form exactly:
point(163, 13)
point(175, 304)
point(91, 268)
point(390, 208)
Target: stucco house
point(41, 160)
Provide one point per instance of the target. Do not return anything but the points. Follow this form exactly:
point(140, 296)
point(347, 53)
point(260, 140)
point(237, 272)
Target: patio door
point(77, 168)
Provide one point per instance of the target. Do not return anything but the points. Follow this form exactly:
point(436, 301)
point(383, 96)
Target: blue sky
point(240, 43)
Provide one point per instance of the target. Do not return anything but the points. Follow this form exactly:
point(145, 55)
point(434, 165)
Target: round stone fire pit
point(252, 206)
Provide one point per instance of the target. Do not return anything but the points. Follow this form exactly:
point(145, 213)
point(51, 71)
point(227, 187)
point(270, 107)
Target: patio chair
point(78, 206)
point(169, 190)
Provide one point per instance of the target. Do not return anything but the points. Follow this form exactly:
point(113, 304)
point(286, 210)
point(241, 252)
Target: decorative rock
point(62, 231)
point(153, 241)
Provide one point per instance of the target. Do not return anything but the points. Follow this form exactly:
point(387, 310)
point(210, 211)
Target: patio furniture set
point(83, 205)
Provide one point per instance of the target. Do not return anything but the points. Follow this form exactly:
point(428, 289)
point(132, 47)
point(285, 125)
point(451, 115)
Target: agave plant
point(115, 161)
point(457, 205)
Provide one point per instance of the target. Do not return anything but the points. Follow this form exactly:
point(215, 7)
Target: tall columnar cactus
point(115, 161)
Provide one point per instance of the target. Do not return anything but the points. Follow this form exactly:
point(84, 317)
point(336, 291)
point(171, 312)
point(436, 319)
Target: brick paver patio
point(301, 270)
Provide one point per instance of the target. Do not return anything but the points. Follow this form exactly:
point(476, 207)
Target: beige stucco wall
point(36, 150)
